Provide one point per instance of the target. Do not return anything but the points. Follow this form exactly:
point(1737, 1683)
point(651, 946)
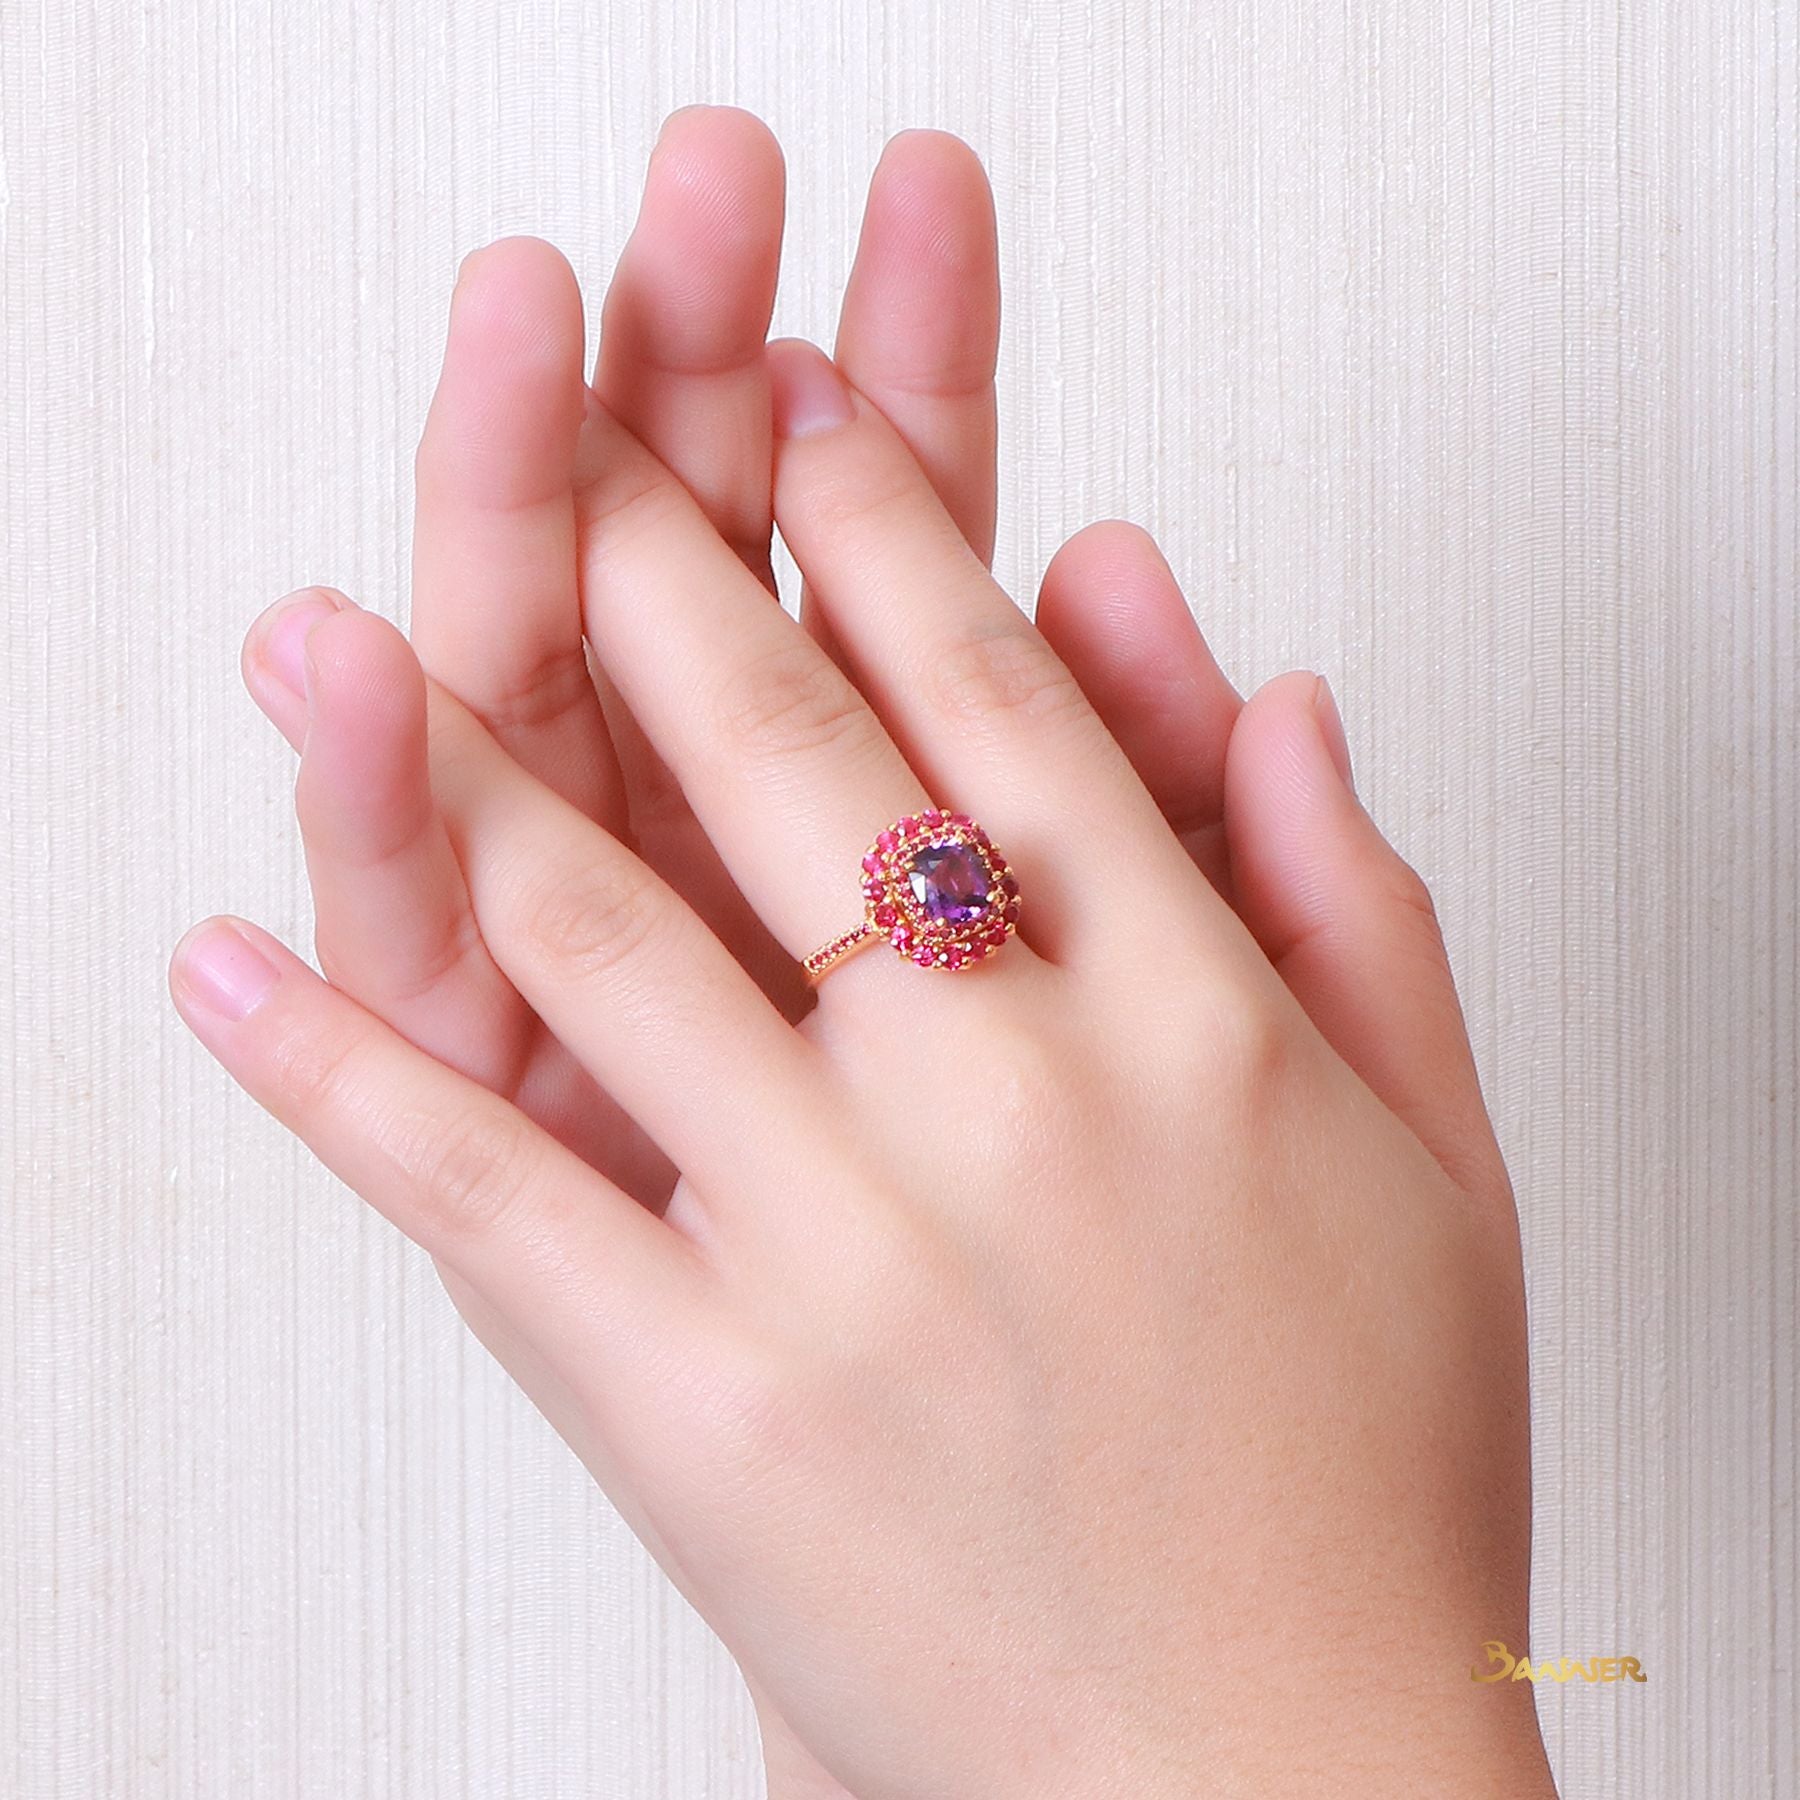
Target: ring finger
point(983, 708)
point(788, 770)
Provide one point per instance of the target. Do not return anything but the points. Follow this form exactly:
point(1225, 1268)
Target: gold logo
point(1503, 1666)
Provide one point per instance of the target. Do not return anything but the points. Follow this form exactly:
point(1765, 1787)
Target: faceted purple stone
point(950, 883)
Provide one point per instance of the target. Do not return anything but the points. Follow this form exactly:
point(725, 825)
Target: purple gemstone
point(950, 883)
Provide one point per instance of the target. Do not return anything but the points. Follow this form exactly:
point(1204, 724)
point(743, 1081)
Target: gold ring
point(935, 888)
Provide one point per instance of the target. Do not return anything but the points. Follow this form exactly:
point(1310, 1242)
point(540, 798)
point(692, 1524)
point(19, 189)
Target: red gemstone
point(885, 916)
point(1012, 911)
point(907, 826)
point(997, 935)
point(1009, 887)
point(873, 864)
point(886, 841)
point(933, 818)
point(953, 959)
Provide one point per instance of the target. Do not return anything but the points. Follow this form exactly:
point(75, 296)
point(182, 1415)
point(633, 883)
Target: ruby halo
point(936, 888)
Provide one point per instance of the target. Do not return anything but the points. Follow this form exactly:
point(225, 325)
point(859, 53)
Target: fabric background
point(1450, 346)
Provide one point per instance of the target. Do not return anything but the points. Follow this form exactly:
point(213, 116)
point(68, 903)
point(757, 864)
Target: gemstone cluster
point(936, 888)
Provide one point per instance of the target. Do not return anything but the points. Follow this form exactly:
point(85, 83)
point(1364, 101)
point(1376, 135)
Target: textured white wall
point(1450, 346)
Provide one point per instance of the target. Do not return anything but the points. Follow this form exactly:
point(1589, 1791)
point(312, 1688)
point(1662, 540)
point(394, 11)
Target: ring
point(936, 889)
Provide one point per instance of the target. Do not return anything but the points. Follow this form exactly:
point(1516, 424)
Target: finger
point(394, 927)
point(273, 659)
point(566, 1256)
point(787, 770)
point(1349, 926)
point(681, 366)
point(1110, 607)
point(395, 918)
point(622, 971)
point(919, 332)
point(980, 704)
point(682, 328)
point(496, 616)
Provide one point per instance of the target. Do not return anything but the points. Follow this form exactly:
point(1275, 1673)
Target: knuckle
point(410, 969)
point(1409, 890)
point(755, 1416)
point(1027, 1083)
point(634, 496)
point(1006, 672)
point(791, 702)
point(865, 497)
point(470, 1173)
point(539, 692)
point(315, 1073)
point(591, 920)
point(1250, 1048)
point(459, 1172)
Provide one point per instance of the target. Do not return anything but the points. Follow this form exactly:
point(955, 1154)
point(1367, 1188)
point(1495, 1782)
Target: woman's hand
point(496, 613)
point(1097, 1371)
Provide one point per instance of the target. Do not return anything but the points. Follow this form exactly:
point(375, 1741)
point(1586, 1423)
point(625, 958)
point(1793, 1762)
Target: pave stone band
point(936, 889)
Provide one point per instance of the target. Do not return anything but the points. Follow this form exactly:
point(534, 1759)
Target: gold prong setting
point(939, 891)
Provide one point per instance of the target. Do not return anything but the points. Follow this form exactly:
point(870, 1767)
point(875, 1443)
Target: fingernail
point(693, 106)
point(471, 261)
point(285, 651)
point(223, 971)
point(809, 395)
point(1331, 727)
point(590, 443)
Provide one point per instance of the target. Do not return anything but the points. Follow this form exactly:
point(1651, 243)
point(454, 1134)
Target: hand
point(495, 608)
point(496, 615)
point(988, 1448)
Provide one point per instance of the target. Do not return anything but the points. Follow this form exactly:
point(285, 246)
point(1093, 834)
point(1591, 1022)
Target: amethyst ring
point(936, 889)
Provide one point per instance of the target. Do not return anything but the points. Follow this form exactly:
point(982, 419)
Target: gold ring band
point(840, 949)
point(936, 889)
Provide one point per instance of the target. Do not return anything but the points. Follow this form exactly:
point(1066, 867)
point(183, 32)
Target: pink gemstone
point(885, 916)
point(886, 841)
point(872, 864)
point(953, 959)
point(933, 818)
point(907, 826)
point(925, 956)
point(902, 939)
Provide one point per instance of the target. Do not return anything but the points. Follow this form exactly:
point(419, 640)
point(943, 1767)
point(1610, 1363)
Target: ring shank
point(828, 956)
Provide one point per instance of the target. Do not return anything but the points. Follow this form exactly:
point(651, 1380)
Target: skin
point(1074, 1375)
